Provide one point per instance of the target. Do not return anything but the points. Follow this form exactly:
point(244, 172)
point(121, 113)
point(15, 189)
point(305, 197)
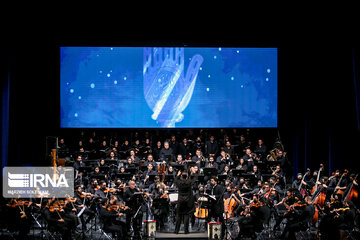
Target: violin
point(111, 190)
point(116, 207)
point(21, 203)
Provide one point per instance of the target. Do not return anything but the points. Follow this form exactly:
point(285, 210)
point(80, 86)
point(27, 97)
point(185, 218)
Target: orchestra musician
point(217, 203)
point(337, 215)
point(109, 219)
point(81, 201)
point(133, 202)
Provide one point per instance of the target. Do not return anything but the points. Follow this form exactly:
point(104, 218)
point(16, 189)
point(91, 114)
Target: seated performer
point(110, 224)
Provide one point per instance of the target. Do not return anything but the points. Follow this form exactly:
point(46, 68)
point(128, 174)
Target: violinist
point(268, 194)
point(256, 189)
point(248, 217)
point(102, 192)
point(304, 211)
point(81, 200)
point(160, 204)
point(110, 224)
point(152, 186)
point(134, 203)
point(93, 186)
point(18, 216)
point(54, 216)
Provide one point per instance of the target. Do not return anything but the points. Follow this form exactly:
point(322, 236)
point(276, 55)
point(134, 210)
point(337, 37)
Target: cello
point(229, 206)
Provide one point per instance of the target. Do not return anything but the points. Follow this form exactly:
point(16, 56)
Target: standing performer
point(185, 205)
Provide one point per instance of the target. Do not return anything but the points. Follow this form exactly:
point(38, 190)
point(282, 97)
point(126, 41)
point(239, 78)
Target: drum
point(173, 197)
point(214, 230)
point(150, 228)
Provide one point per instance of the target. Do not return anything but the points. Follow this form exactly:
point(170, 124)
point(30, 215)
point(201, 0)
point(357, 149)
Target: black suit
point(185, 204)
point(217, 206)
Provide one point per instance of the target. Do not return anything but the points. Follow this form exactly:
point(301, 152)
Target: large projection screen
point(168, 87)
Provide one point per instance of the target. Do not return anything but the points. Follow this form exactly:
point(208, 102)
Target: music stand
point(99, 177)
point(237, 172)
point(132, 171)
point(144, 167)
point(250, 177)
point(124, 176)
point(178, 167)
point(200, 178)
point(169, 178)
point(210, 171)
point(91, 163)
point(222, 177)
point(104, 169)
point(85, 169)
point(191, 164)
point(152, 176)
point(266, 177)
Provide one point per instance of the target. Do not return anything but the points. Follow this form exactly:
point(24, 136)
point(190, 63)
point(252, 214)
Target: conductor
point(185, 205)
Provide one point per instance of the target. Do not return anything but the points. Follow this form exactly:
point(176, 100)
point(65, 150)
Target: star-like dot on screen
point(76, 115)
point(79, 97)
point(232, 78)
point(207, 89)
point(115, 82)
point(267, 79)
point(108, 75)
point(268, 70)
point(125, 78)
point(209, 76)
point(71, 90)
point(92, 85)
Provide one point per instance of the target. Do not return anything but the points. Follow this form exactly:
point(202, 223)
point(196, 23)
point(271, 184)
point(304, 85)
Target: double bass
point(300, 188)
point(352, 193)
point(314, 189)
point(339, 182)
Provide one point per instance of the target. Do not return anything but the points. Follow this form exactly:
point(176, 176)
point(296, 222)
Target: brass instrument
point(202, 158)
point(272, 156)
point(227, 156)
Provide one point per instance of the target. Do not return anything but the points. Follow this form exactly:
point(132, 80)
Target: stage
point(181, 235)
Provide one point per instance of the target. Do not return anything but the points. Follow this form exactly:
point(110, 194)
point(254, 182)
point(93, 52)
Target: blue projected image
point(136, 87)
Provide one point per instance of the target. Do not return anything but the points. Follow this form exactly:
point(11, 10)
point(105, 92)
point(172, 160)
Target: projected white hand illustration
point(167, 89)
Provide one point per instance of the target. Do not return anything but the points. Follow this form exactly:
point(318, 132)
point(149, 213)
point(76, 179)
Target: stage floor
point(181, 235)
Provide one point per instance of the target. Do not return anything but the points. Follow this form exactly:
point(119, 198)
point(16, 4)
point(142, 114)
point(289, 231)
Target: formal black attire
point(185, 205)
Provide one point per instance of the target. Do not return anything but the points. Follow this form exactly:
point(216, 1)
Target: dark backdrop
point(316, 114)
